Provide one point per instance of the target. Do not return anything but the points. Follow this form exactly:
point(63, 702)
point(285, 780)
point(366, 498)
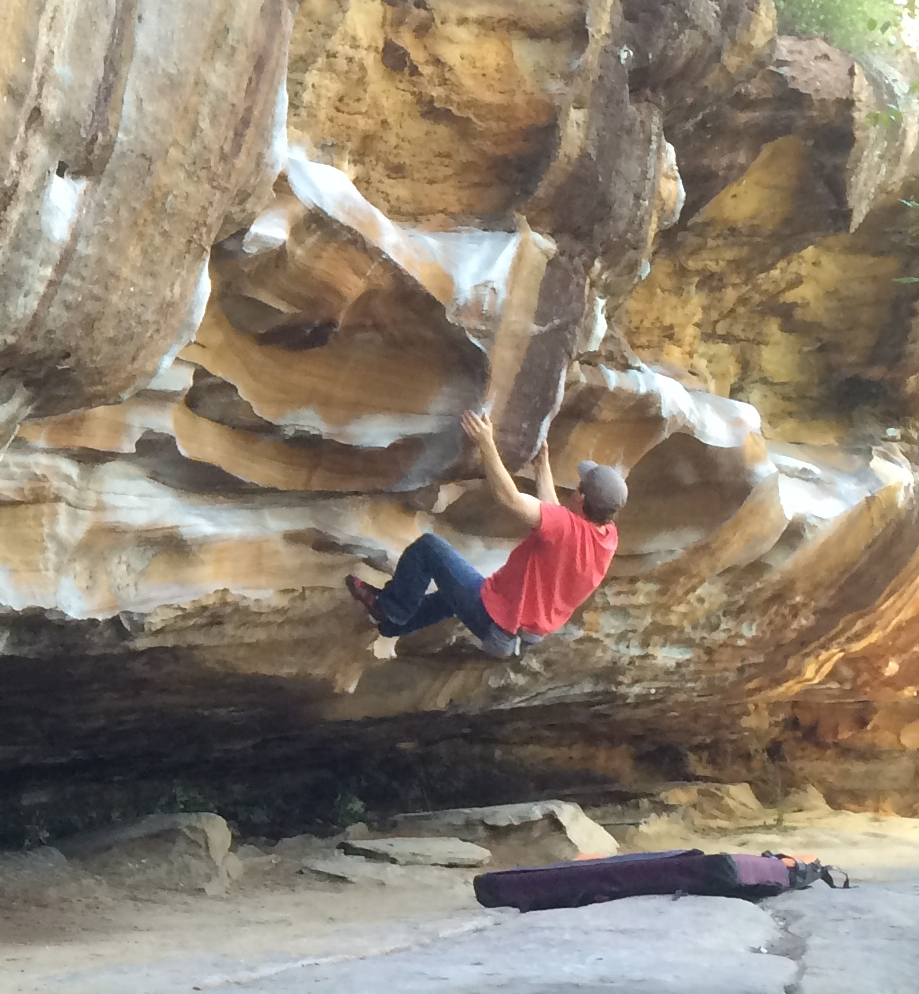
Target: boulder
point(539, 830)
point(171, 851)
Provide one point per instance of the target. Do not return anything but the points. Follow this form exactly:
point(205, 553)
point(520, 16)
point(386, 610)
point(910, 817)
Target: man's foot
point(366, 595)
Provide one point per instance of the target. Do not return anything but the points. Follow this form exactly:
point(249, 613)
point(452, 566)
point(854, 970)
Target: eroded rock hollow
point(251, 273)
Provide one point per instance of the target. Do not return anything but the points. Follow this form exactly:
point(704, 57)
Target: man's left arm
point(542, 471)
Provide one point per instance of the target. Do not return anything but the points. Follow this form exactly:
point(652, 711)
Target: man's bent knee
point(431, 542)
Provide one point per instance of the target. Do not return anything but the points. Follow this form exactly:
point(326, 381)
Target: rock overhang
point(333, 328)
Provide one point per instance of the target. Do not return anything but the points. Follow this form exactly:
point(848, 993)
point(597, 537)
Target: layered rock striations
point(662, 239)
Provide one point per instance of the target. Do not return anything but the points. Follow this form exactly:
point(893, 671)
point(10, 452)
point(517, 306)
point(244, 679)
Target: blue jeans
point(409, 607)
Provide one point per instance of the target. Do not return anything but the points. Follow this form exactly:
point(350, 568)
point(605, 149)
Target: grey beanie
point(603, 487)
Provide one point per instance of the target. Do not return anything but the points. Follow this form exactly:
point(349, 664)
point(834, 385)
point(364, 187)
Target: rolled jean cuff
point(499, 643)
point(502, 645)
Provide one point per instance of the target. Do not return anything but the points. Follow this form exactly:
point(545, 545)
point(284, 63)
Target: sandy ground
point(78, 926)
point(136, 920)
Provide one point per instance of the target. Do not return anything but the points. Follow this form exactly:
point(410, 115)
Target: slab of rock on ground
point(863, 941)
point(533, 832)
point(341, 869)
point(418, 852)
point(817, 942)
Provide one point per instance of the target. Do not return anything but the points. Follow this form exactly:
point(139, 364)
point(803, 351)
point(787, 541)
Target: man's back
point(553, 570)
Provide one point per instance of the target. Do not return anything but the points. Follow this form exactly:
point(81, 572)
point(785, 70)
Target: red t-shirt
point(554, 569)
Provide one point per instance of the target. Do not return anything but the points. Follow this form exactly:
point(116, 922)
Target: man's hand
point(479, 428)
point(542, 472)
point(541, 459)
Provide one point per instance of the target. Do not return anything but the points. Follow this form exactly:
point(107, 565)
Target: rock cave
point(252, 273)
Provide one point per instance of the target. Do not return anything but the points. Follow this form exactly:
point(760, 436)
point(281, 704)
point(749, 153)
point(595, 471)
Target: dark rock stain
point(558, 316)
point(101, 127)
point(299, 335)
point(272, 21)
point(397, 59)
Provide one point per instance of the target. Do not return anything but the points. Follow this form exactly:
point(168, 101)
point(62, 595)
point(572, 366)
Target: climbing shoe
point(366, 595)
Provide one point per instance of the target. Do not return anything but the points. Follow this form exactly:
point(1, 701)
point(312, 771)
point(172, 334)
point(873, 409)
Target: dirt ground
point(86, 925)
point(136, 917)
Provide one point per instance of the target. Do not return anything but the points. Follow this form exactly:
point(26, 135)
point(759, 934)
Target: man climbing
point(553, 570)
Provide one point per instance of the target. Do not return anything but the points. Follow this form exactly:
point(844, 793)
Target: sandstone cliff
point(234, 362)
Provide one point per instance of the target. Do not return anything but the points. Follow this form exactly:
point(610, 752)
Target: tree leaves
point(856, 25)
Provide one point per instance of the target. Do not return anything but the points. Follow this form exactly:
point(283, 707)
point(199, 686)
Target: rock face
point(661, 238)
point(131, 134)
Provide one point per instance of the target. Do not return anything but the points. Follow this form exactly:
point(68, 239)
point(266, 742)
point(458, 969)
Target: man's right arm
point(522, 506)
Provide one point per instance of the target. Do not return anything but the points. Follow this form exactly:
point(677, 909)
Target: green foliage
point(856, 25)
point(348, 809)
point(890, 114)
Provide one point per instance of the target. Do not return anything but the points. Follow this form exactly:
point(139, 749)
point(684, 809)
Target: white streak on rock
point(175, 378)
point(61, 206)
point(798, 468)
point(371, 431)
point(671, 169)
point(715, 421)
point(805, 499)
point(598, 333)
point(335, 195)
point(194, 315)
point(69, 599)
point(269, 231)
point(815, 491)
point(278, 153)
point(478, 262)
